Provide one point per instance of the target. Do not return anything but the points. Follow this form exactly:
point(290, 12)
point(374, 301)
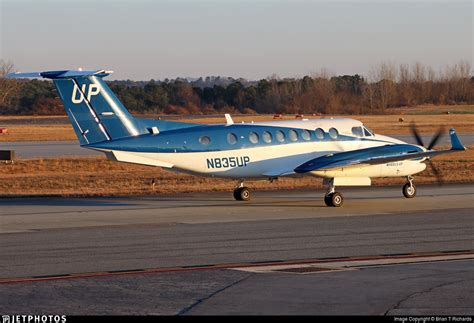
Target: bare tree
point(463, 83)
point(428, 93)
point(385, 74)
point(418, 71)
point(6, 67)
point(323, 73)
point(369, 89)
point(368, 93)
point(8, 87)
point(405, 92)
point(457, 80)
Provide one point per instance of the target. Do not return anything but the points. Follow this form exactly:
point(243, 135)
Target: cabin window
point(267, 137)
point(293, 135)
point(319, 133)
point(253, 137)
point(232, 138)
point(333, 133)
point(357, 131)
point(306, 135)
point(204, 140)
point(280, 136)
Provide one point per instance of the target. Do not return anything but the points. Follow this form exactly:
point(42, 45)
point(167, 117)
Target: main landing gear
point(333, 198)
point(241, 193)
point(409, 189)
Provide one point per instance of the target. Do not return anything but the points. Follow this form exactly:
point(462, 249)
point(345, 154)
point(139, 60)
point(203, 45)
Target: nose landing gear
point(409, 189)
point(333, 198)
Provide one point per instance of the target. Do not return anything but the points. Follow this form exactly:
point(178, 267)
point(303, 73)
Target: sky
point(141, 40)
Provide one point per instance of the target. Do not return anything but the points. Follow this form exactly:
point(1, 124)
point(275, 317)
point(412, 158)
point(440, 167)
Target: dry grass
point(383, 124)
point(26, 117)
point(434, 109)
point(52, 132)
point(99, 177)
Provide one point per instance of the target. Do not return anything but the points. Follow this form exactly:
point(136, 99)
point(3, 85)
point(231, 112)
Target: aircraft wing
point(376, 155)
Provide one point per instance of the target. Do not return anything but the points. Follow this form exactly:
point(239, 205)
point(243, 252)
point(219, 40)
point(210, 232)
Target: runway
point(51, 149)
point(186, 254)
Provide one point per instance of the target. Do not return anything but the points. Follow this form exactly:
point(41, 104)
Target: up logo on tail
point(92, 90)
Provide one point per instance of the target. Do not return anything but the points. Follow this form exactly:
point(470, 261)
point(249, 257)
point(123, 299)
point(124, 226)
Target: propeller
point(433, 142)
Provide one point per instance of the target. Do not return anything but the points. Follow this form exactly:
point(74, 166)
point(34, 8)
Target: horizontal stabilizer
point(64, 74)
point(24, 75)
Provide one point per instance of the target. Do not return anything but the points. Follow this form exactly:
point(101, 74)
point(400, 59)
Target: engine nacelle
point(393, 169)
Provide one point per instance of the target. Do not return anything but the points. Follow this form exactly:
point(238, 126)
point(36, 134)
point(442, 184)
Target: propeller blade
point(439, 176)
point(436, 138)
point(416, 135)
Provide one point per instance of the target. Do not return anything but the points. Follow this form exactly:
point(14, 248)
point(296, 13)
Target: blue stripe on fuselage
point(187, 139)
point(348, 158)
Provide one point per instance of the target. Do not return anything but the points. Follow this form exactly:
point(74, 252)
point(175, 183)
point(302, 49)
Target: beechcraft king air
point(342, 151)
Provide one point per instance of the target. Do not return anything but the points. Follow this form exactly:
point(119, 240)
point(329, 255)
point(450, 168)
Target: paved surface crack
point(200, 301)
point(397, 306)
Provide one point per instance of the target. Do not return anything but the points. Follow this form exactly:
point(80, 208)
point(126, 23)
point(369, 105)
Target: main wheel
point(242, 194)
point(409, 190)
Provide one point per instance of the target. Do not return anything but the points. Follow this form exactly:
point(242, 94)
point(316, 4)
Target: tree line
point(386, 86)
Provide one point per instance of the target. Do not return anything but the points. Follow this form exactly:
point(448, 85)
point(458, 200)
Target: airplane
point(343, 151)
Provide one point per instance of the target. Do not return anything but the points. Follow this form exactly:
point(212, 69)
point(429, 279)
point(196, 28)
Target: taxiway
point(187, 254)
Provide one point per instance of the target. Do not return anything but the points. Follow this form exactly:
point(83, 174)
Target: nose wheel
point(409, 189)
point(335, 199)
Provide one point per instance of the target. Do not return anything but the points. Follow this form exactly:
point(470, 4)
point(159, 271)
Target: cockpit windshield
point(368, 132)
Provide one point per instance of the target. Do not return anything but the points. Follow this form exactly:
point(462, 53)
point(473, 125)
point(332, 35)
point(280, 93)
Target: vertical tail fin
point(95, 112)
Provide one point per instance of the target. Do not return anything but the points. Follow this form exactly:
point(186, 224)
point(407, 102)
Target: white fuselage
point(279, 160)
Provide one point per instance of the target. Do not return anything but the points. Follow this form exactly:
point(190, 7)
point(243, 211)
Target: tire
point(409, 191)
point(328, 199)
point(237, 194)
point(337, 199)
point(242, 194)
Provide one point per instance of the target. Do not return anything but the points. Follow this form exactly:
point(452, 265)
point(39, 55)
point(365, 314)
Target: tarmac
point(283, 252)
